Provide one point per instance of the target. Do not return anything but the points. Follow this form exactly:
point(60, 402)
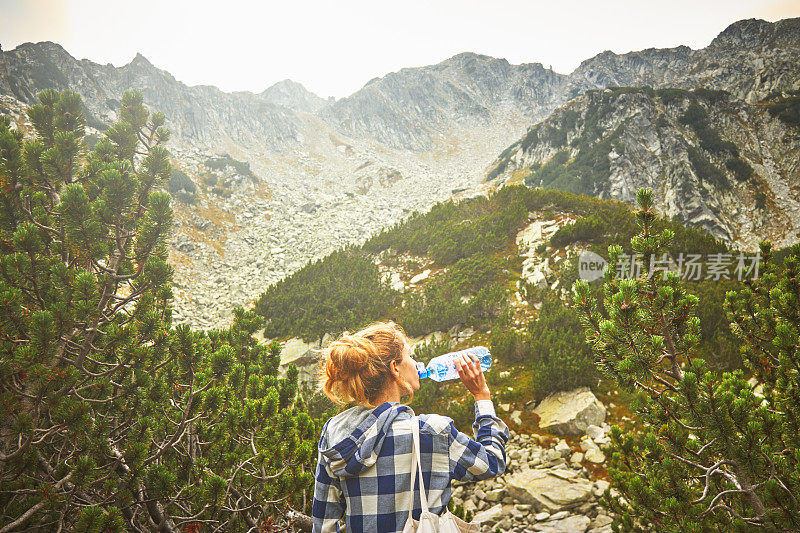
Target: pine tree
point(710, 453)
point(111, 418)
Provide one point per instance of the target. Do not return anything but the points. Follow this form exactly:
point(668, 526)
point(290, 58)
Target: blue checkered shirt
point(365, 476)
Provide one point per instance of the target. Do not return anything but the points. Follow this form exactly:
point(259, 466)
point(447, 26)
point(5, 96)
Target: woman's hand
point(471, 374)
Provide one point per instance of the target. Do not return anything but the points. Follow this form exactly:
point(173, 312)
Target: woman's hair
point(357, 367)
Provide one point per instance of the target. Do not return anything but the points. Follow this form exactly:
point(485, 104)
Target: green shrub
point(697, 117)
point(219, 163)
point(694, 116)
point(508, 345)
point(343, 291)
point(761, 200)
point(786, 108)
point(209, 179)
point(222, 191)
point(718, 345)
point(711, 96)
point(705, 169)
point(181, 186)
point(452, 231)
point(559, 356)
point(439, 306)
point(742, 171)
point(671, 95)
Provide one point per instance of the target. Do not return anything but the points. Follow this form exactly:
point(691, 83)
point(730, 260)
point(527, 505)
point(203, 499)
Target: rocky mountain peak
point(140, 60)
point(467, 57)
point(757, 33)
point(293, 95)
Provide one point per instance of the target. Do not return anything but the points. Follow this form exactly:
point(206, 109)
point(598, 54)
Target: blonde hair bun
point(357, 367)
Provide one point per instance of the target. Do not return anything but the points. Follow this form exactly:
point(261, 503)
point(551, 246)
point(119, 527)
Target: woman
point(364, 462)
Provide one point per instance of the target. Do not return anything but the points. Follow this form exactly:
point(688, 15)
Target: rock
point(466, 333)
point(420, 277)
point(479, 494)
point(570, 524)
point(544, 515)
point(553, 455)
point(594, 455)
point(563, 448)
point(595, 433)
point(504, 524)
point(570, 413)
point(601, 520)
point(295, 351)
point(549, 490)
point(396, 283)
point(490, 515)
point(559, 515)
point(516, 417)
point(576, 458)
point(495, 495)
point(469, 505)
point(600, 487)
point(309, 208)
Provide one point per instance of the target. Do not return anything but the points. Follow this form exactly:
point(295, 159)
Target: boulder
point(529, 236)
point(490, 515)
point(495, 495)
point(570, 524)
point(563, 448)
point(595, 433)
point(549, 490)
point(570, 412)
point(296, 351)
point(594, 455)
point(396, 283)
point(420, 277)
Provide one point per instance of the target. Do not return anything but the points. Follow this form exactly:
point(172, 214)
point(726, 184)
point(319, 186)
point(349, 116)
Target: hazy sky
point(334, 47)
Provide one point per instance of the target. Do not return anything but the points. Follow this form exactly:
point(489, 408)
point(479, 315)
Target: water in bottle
point(443, 367)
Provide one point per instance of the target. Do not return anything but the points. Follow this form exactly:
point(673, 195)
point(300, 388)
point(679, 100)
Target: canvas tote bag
point(428, 521)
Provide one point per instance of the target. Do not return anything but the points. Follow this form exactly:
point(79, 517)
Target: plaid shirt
point(365, 476)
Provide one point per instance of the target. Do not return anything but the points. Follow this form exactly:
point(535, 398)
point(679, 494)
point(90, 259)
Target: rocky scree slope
point(715, 162)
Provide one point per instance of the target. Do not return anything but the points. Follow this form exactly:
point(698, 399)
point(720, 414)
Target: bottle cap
point(422, 371)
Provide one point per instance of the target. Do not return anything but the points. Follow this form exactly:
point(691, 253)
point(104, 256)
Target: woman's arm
point(485, 456)
point(329, 505)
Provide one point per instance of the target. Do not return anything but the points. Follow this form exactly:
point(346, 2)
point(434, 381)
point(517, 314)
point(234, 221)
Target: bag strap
point(416, 465)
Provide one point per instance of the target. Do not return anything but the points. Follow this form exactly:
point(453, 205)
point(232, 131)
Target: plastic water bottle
point(443, 367)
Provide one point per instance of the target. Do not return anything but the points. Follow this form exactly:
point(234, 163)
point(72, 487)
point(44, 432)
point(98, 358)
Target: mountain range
point(326, 172)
